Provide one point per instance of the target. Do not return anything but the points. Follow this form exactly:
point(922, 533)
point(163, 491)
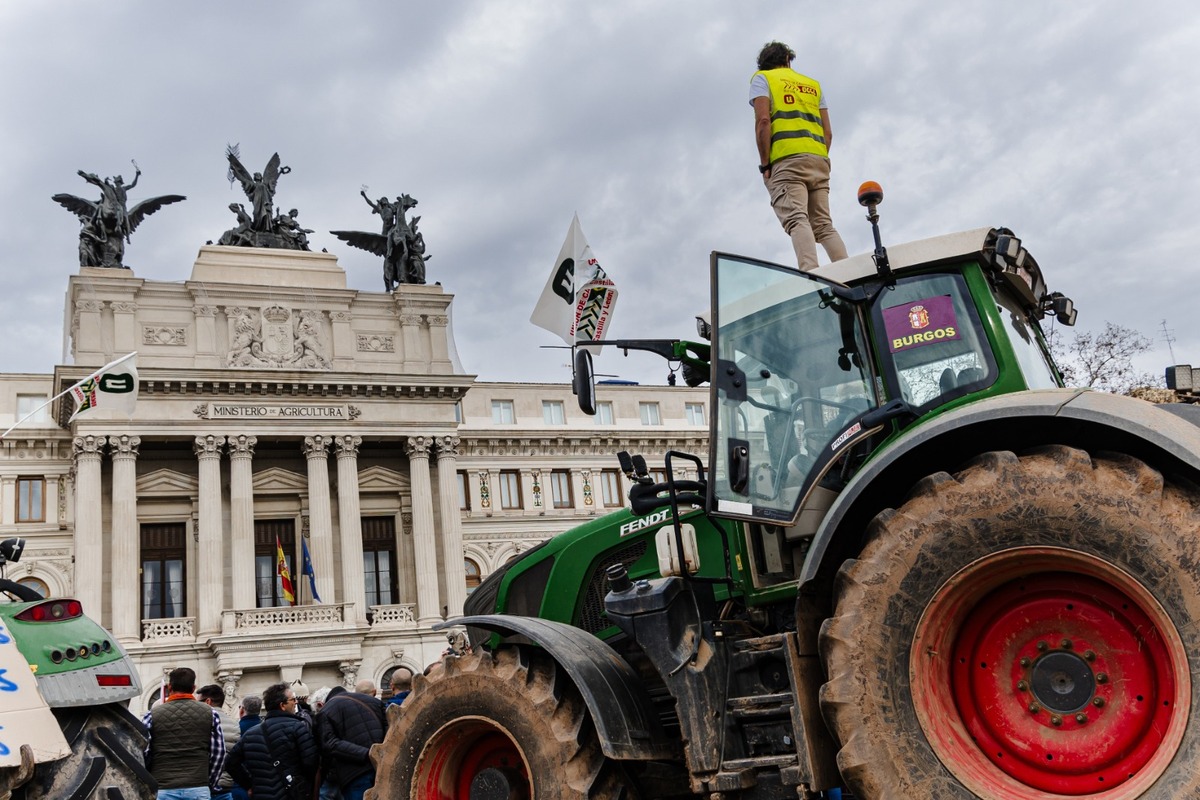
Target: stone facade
point(280, 411)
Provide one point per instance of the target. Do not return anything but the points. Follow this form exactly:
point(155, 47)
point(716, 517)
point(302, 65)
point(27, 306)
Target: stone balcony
point(287, 619)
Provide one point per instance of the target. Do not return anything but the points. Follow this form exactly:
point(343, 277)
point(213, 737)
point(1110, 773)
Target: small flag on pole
point(285, 575)
point(310, 572)
point(577, 302)
point(113, 386)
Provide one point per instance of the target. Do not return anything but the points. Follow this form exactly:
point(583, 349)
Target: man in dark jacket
point(277, 759)
point(349, 723)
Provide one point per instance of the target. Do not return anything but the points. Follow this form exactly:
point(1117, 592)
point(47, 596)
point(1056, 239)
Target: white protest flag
point(578, 301)
point(114, 386)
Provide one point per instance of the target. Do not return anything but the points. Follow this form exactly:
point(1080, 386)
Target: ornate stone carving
point(417, 446)
point(124, 307)
point(439, 320)
point(164, 335)
point(229, 683)
point(354, 411)
point(447, 446)
point(341, 316)
point(204, 311)
point(411, 320)
point(347, 446)
point(349, 670)
point(276, 337)
point(315, 446)
point(376, 343)
point(587, 487)
point(122, 447)
point(88, 446)
point(485, 492)
point(537, 488)
point(92, 306)
point(242, 446)
point(208, 446)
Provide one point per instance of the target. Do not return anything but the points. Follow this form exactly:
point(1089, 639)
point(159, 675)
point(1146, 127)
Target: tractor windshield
point(790, 376)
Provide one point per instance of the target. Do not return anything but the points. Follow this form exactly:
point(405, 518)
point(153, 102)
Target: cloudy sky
point(1075, 124)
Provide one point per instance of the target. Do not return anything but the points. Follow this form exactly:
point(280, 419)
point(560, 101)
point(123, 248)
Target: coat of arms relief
point(274, 336)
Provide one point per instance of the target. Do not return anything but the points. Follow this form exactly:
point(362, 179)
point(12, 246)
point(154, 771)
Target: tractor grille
point(592, 617)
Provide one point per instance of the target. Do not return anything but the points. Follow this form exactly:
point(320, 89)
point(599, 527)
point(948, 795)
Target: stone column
point(439, 341)
point(210, 561)
point(241, 519)
point(410, 330)
point(429, 609)
point(452, 544)
point(206, 337)
point(126, 544)
point(320, 515)
point(89, 541)
point(350, 525)
point(125, 338)
point(343, 339)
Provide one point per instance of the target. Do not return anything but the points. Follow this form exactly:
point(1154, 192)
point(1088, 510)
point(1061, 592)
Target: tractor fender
point(616, 697)
point(1093, 421)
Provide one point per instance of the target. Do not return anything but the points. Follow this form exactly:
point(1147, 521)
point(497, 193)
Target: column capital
point(208, 446)
point(438, 320)
point(242, 446)
point(447, 446)
point(417, 446)
point(122, 447)
point(89, 446)
point(413, 320)
point(347, 446)
point(315, 446)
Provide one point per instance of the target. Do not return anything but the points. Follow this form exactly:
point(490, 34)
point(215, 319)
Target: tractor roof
point(910, 255)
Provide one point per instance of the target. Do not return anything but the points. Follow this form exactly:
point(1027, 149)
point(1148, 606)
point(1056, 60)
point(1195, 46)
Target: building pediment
point(276, 480)
point(167, 483)
point(382, 479)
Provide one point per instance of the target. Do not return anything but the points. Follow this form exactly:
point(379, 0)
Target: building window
point(649, 413)
point(26, 403)
point(164, 590)
point(604, 413)
point(695, 413)
point(610, 488)
point(458, 412)
point(379, 560)
point(31, 499)
point(502, 412)
point(268, 585)
point(474, 576)
point(464, 497)
point(658, 475)
point(560, 488)
point(37, 584)
point(552, 412)
point(510, 489)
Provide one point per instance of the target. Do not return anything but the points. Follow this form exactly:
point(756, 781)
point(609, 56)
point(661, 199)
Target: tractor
point(912, 564)
point(65, 729)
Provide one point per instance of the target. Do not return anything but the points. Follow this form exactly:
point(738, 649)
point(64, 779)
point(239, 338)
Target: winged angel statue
point(400, 243)
point(263, 225)
point(107, 224)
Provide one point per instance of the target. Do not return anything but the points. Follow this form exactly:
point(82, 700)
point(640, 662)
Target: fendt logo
point(635, 525)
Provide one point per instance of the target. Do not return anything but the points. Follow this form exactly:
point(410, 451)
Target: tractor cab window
point(791, 376)
point(929, 330)
point(1022, 335)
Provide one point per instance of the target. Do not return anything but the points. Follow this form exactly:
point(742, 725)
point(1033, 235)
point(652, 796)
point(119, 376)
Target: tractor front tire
point(507, 724)
point(1026, 628)
point(105, 762)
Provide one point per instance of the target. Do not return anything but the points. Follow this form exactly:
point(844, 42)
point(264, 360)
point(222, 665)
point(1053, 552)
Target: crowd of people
point(285, 745)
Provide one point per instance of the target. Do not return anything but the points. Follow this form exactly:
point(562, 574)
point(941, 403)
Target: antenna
point(1170, 340)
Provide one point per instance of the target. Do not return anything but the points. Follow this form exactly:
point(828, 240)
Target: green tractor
point(913, 564)
point(65, 730)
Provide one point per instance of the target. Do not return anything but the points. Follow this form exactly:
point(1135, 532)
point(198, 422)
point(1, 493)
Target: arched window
point(385, 683)
point(474, 578)
point(37, 584)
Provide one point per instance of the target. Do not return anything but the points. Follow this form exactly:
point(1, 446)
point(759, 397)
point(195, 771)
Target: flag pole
point(80, 382)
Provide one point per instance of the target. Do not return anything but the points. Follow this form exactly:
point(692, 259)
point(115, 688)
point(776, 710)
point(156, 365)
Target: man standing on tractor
point(792, 131)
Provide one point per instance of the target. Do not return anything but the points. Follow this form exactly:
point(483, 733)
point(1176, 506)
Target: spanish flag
point(285, 575)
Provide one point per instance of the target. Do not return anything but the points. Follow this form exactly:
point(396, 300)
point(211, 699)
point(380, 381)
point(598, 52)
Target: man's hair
point(182, 679)
point(275, 696)
point(252, 703)
point(775, 55)
point(401, 679)
point(365, 686)
point(211, 692)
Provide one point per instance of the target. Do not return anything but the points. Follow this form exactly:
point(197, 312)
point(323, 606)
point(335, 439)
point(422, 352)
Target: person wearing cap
point(303, 709)
point(793, 135)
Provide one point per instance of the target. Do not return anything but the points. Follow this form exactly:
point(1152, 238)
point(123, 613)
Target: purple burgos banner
point(920, 322)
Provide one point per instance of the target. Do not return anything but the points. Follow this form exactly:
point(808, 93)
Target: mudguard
point(616, 698)
point(1090, 420)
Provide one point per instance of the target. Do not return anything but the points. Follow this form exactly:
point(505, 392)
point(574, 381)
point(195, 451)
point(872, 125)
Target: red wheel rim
point(458, 752)
point(1045, 672)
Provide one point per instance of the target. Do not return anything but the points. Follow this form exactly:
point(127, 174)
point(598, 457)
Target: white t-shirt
point(758, 88)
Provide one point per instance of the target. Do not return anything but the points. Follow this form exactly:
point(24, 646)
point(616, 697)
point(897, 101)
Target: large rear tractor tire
point(507, 725)
point(1025, 629)
point(105, 761)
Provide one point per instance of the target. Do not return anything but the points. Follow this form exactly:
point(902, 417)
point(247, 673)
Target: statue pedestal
point(260, 266)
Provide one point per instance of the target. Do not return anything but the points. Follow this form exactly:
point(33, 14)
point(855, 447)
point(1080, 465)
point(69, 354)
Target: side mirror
point(583, 381)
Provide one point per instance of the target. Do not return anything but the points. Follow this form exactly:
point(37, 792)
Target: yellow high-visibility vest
point(795, 114)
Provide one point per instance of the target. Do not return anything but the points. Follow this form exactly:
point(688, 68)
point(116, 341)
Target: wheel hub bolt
point(1081, 718)
point(1090, 655)
point(1066, 644)
point(1042, 646)
point(1034, 708)
point(1098, 702)
point(1025, 662)
point(1055, 719)
point(1022, 686)
point(1102, 677)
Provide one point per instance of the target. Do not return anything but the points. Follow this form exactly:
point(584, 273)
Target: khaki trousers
point(799, 189)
